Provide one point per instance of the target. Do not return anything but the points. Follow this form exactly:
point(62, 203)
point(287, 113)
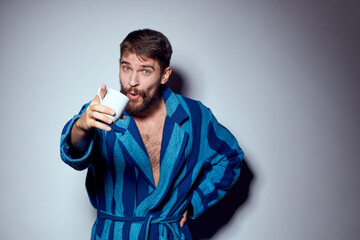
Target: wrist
point(81, 129)
point(80, 137)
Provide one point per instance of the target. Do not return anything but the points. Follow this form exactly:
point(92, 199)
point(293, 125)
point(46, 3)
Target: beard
point(145, 101)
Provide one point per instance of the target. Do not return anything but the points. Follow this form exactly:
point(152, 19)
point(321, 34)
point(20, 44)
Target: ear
point(165, 76)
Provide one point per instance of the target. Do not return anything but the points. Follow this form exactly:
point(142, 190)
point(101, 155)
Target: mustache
point(134, 90)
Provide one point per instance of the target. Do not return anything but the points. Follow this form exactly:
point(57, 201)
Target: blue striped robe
point(199, 161)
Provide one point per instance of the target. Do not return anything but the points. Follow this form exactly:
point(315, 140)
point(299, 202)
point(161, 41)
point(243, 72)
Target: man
point(167, 157)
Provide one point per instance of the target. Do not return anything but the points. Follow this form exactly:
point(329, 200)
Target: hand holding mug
point(114, 100)
point(94, 115)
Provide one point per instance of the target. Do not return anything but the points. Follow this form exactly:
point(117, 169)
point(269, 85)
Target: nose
point(133, 81)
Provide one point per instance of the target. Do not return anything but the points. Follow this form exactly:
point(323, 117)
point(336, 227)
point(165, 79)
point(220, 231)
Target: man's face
point(140, 80)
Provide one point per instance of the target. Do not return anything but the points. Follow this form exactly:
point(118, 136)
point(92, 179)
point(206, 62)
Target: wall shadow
point(208, 224)
point(176, 83)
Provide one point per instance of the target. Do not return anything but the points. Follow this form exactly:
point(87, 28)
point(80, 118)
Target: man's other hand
point(183, 220)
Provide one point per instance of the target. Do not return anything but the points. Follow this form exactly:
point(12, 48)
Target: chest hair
point(153, 145)
point(152, 137)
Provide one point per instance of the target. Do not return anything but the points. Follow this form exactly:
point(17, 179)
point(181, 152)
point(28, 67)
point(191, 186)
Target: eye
point(126, 68)
point(146, 72)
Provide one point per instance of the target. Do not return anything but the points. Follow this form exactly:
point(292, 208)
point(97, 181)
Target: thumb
point(103, 91)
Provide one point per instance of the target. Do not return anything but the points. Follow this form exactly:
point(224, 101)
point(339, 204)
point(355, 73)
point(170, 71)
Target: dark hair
point(148, 43)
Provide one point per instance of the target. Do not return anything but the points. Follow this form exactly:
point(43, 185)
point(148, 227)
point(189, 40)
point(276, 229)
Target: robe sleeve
point(222, 166)
point(77, 160)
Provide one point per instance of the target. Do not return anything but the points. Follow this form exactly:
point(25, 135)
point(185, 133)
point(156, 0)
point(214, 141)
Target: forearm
point(80, 138)
point(71, 154)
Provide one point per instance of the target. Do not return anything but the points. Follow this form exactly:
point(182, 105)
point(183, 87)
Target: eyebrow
point(143, 66)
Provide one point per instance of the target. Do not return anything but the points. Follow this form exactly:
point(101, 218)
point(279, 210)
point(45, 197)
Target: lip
point(133, 96)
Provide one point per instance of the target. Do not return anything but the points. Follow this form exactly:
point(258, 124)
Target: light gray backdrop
point(283, 76)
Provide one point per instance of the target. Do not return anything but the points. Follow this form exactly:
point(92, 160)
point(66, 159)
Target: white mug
point(114, 100)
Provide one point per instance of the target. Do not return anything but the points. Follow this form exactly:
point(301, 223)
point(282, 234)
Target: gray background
point(283, 76)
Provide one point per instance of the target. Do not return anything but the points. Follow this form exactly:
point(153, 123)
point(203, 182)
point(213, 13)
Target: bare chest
point(152, 137)
point(152, 141)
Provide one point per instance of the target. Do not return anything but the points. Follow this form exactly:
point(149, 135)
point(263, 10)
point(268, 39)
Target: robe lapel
point(133, 147)
point(172, 151)
point(172, 158)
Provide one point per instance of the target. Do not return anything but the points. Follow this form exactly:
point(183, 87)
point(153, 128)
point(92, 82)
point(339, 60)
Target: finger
point(96, 99)
point(100, 117)
point(99, 125)
point(102, 109)
point(183, 220)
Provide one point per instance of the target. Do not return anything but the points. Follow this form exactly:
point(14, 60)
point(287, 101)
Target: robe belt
point(146, 222)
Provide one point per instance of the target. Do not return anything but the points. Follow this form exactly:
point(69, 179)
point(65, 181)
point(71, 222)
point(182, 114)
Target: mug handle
point(98, 93)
